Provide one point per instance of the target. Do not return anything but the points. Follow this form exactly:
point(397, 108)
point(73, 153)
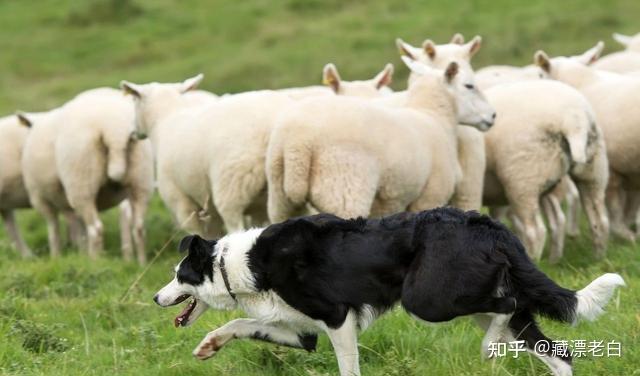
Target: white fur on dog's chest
point(269, 308)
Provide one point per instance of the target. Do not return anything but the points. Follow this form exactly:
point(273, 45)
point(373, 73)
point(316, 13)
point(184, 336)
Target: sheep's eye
point(469, 86)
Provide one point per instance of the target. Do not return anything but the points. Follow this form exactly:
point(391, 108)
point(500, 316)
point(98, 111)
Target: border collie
point(325, 274)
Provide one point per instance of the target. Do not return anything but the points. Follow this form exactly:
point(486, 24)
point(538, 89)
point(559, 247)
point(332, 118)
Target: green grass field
point(69, 316)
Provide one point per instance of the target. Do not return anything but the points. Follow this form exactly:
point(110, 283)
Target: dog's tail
point(543, 296)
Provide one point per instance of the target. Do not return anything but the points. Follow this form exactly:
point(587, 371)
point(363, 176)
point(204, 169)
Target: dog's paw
point(207, 348)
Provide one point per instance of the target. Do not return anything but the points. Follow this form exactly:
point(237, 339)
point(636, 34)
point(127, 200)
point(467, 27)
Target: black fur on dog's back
point(464, 260)
point(439, 264)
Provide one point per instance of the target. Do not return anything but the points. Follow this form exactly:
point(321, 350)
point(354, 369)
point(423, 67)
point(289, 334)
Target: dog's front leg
point(345, 344)
point(250, 328)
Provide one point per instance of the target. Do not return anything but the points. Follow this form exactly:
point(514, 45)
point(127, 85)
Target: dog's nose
point(156, 298)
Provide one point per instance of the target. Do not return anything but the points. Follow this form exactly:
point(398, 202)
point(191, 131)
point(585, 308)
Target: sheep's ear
point(457, 39)
point(384, 78)
point(429, 48)
point(24, 119)
point(622, 39)
point(592, 55)
point(406, 49)
point(451, 71)
point(191, 83)
point(331, 77)
point(131, 89)
point(541, 59)
point(474, 45)
point(414, 66)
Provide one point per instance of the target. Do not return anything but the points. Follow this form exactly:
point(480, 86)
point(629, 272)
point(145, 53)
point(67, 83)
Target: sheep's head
point(153, 100)
point(366, 88)
point(631, 43)
point(471, 106)
point(440, 55)
point(565, 68)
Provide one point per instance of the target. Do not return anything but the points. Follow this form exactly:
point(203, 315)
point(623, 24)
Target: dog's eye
point(469, 86)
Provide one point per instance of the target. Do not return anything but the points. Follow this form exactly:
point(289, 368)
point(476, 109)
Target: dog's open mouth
point(183, 318)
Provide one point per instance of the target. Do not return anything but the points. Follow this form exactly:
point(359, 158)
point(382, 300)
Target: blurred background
point(53, 49)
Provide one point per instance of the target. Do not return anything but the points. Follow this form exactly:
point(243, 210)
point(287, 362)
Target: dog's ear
point(196, 245)
point(185, 243)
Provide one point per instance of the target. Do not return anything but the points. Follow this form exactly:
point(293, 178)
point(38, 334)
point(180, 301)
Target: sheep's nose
point(156, 298)
point(493, 117)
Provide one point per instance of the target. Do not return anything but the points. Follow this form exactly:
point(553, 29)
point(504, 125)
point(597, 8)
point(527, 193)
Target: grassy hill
point(68, 316)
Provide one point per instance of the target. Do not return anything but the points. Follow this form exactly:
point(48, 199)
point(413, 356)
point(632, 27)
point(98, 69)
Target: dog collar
point(225, 276)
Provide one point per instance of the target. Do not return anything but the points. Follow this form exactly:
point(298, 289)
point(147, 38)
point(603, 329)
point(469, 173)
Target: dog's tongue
point(184, 315)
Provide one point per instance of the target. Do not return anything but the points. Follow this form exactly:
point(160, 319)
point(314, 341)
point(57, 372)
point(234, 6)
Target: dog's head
point(194, 278)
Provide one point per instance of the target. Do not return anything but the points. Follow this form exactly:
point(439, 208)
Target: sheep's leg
point(53, 226)
point(438, 190)
point(632, 207)
point(234, 192)
point(572, 198)
point(126, 241)
point(593, 203)
point(184, 210)
point(89, 214)
point(557, 222)
point(77, 232)
point(532, 234)
point(14, 233)
point(615, 205)
point(139, 206)
point(279, 207)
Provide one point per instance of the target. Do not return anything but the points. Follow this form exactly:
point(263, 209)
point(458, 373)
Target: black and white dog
point(326, 274)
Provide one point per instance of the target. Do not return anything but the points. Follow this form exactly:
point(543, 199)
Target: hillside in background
point(53, 49)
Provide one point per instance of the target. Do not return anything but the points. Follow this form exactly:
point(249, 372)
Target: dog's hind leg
point(556, 357)
point(496, 332)
point(345, 344)
point(253, 329)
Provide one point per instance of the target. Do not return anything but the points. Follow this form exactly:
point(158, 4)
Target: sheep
point(13, 194)
point(500, 74)
point(565, 191)
point(334, 85)
point(538, 118)
point(612, 97)
point(81, 158)
point(471, 153)
point(623, 61)
point(228, 180)
point(354, 157)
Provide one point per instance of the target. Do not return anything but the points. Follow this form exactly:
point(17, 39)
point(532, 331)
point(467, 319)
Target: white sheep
point(224, 144)
point(471, 153)
point(501, 74)
point(622, 61)
point(612, 97)
point(566, 191)
point(13, 194)
point(81, 158)
point(355, 157)
point(544, 130)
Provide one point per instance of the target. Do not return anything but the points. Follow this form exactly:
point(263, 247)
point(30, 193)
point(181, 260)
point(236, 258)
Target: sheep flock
point(540, 145)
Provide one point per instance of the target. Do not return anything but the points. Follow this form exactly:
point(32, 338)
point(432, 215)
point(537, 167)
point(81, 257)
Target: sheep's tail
point(297, 167)
point(287, 177)
point(578, 138)
point(543, 296)
point(116, 164)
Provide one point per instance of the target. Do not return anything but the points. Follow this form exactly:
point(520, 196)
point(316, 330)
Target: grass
point(67, 316)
